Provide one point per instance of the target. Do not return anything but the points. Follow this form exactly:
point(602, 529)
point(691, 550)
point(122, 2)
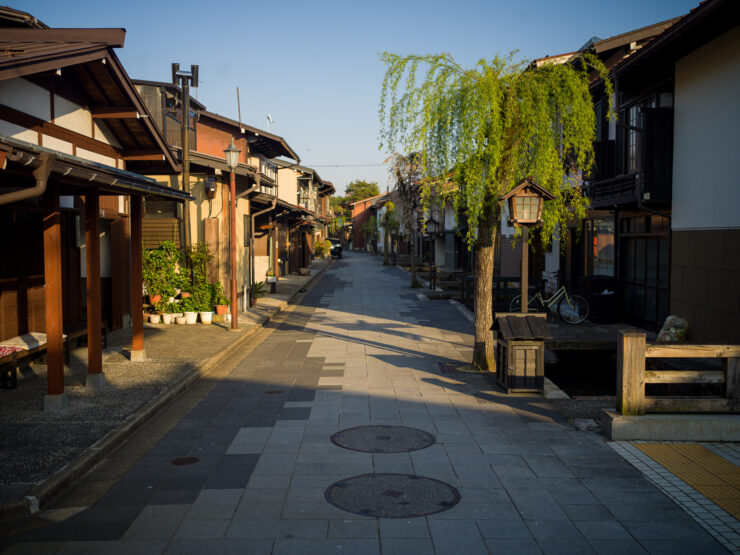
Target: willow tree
point(407, 173)
point(486, 128)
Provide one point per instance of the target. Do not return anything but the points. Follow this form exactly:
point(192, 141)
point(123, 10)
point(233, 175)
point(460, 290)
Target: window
point(632, 143)
point(603, 247)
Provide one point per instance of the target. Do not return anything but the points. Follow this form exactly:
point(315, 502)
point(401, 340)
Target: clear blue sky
point(314, 65)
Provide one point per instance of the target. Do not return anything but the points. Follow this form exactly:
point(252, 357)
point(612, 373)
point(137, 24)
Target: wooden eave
point(75, 175)
point(267, 144)
point(94, 76)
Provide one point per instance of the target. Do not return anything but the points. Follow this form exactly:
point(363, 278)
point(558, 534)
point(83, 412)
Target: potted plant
point(190, 309)
point(220, 300)
point(169, 311)
point(159, 271)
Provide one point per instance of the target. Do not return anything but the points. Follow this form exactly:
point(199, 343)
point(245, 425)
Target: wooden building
point(256, 188)
point(75, 138)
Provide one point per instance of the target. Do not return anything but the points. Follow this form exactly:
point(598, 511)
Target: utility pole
point(185, 79)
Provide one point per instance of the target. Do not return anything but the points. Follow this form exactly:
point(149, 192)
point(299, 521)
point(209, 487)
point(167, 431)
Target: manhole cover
point(383, 439)
point(392, 495)
point(184, 461)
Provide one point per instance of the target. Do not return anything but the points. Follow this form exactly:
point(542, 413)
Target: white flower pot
point(168, 318)
point(154, 318)
point(206, 317)
point(180, 320)
point(191, 317)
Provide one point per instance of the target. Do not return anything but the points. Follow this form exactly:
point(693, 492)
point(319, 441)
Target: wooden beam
point(92, 261)
point(47, 128)
point(685, 376)
point(679, 350)
point(691, 404)
point(143, 155)
point(53, 291)
point(630, 372)
point(114, 112)
point(137, 317)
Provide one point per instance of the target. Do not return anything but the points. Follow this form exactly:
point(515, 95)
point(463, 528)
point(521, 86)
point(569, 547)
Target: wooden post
point(53, 297)
point(732, 378)
point(94, 309)
point(525, 269)
point(630, 372)
point(137, 308)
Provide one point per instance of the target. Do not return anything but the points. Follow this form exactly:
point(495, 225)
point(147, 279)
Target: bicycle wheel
point(534, 304)
point(573, 309)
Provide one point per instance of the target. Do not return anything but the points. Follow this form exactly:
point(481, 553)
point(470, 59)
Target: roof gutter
point(40, 174)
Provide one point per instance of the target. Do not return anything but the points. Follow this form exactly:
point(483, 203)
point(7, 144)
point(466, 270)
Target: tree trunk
point(414, 283)
point(483, 356)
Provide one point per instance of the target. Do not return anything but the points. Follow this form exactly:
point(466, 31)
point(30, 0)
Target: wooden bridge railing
point(632, 350)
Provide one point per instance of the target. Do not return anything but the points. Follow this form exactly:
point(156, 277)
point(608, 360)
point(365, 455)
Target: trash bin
point(520, 351)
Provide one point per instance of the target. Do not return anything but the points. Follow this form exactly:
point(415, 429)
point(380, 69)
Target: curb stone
point(54, 485)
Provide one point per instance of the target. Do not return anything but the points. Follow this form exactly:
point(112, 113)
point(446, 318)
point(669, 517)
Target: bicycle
point(572, 309)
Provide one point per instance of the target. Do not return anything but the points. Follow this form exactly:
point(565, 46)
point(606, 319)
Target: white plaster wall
point(104, 135)
point(706, 185)
point(18, 132)
point(288, 185)
point(26, 97)
point(71, 116)
point(56, 144)
point(261, 264)
point(95, 157)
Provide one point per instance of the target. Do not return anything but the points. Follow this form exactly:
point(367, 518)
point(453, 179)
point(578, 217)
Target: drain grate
point(392, 495)
point(184, 461)
point(383, 439)
point(274, 392)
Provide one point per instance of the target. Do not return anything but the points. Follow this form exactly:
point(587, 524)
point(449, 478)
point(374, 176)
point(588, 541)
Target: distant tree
point(360, 189)
point(487, 128)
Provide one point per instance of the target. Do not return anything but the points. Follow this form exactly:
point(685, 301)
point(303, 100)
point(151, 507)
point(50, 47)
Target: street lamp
point(525, 211)
point(232, 160)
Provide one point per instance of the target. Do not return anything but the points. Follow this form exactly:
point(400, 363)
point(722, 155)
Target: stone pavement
point(362, 349)
point(36, 445)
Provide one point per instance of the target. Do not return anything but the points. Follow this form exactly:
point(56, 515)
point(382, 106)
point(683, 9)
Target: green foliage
point(490, 126)
point(322, 248)
point(159, 269)
point(189, 304)
point(198, 259)
point(218, 297)
point(359, 190)
point(258, 289)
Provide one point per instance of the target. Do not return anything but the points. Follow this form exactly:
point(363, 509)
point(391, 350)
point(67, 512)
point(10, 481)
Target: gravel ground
point(35, 444)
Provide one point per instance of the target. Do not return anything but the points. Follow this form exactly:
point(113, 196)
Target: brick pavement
point(362, 348)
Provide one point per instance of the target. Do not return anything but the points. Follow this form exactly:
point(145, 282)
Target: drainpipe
point(40, 174)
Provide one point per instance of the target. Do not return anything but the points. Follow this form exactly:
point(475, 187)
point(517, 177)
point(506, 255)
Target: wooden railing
point(632, 350)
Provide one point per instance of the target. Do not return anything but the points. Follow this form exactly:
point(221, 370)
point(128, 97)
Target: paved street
point(362, 349)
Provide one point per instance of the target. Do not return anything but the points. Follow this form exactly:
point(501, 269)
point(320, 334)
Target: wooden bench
point(9, 363)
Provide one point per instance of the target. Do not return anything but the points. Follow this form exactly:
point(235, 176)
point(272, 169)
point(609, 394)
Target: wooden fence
point(632, 350)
